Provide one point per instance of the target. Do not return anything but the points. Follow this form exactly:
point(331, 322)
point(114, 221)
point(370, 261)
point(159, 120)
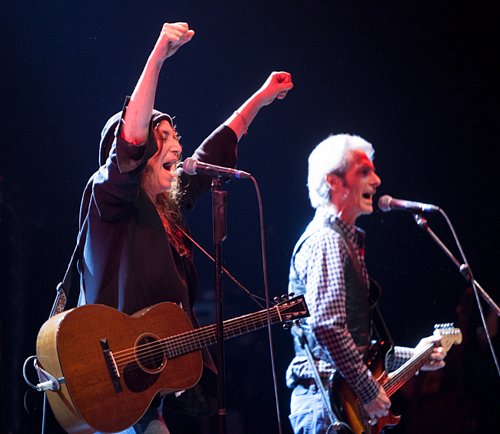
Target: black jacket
point(126, 259)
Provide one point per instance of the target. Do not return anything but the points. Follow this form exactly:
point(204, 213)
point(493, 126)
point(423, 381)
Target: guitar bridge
point(114, 373)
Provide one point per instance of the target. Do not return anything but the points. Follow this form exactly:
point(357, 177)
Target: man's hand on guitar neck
point(379, 406)
point(437, 356)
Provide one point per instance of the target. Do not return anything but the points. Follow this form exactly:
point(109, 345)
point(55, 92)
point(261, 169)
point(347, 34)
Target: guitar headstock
point(291, 309)
point(448, 335)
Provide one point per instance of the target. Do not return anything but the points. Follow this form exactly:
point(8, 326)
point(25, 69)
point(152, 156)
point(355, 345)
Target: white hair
point(331, 156)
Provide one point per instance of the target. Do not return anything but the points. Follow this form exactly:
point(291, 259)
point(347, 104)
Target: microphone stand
point(467, 273)
point(219, 198)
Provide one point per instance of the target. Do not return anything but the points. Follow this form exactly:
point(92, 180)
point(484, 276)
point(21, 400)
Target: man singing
point(328, 266)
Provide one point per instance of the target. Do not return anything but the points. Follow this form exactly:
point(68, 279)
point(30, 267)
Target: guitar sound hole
point(150, 354)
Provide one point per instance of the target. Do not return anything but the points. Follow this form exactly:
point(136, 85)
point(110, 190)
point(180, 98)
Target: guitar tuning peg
point(443, 326)
point(284, 297)
point(286, 325)
point(276, 299)
point(292, 294)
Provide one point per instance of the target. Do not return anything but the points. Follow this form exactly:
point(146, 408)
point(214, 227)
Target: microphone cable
point(267, 296)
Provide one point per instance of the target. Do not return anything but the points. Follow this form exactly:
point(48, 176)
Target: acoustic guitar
point(111, 365)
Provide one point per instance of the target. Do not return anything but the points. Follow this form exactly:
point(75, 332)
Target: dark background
point(417, 79)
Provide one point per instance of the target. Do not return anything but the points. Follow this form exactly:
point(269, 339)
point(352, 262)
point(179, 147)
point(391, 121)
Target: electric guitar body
point(345, 402)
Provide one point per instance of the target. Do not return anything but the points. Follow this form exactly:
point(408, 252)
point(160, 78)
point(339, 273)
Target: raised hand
point(137, 117)
point(172, 37)
point(277, 86)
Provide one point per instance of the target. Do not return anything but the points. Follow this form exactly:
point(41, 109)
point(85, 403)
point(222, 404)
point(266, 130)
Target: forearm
point(241, 119)
point(326, 298)
point(140, 108)
point(398, 357)
point(277, 86)
point(334, 336)
point(136, 120)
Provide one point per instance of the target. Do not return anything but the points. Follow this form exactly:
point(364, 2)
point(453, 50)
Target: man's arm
point(325, 298)
point(136, 120)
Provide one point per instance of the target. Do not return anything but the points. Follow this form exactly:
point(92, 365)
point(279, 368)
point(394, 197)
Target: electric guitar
point(110, 365)
point(347, 405)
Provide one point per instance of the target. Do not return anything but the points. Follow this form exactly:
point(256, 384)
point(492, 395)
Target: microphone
point(194, 167)
point(388, 203)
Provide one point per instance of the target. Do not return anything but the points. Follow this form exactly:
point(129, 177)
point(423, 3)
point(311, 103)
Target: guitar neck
point(399, 377)
point(203, 337)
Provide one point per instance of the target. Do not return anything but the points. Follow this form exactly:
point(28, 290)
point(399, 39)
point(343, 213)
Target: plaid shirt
point(320, 265)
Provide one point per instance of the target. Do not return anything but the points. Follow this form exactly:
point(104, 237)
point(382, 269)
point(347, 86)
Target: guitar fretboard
point(399, 377)
point(200, 338)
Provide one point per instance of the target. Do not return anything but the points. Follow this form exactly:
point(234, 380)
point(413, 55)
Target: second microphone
point(191, 166)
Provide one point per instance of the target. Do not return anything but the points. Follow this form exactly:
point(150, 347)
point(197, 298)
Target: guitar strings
point(181, 336)
point(163, 346)
point(393, 384)
point(168, 345)
point(401, 375)
point(172, 342)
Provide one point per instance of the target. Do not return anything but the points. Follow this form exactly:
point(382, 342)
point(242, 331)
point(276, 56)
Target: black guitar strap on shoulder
point(298, 331)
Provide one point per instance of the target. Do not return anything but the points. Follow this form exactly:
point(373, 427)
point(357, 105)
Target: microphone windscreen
point(384, 203)
point(189, 166)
